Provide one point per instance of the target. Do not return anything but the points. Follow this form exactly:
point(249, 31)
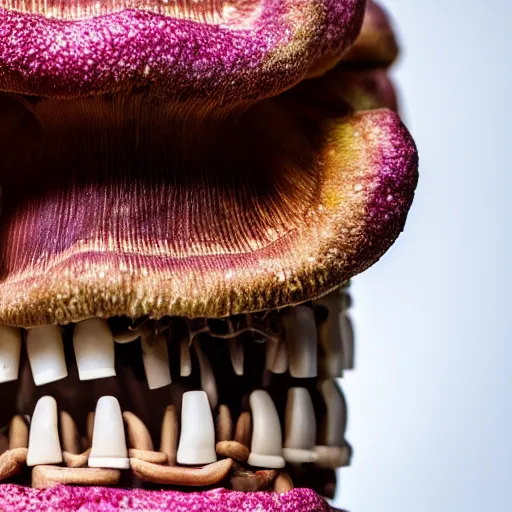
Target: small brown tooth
point(253, 482)
point(333, 457)
point(90, 426)
point(185, 361)
point(69, 433)
point(4, 443)
point(44, 477)
point(148, 456)
point(174, 475)
point(208, 384)
point(169, 434)
point(18, 433)
point(283, 483)
point(236, 353)
point(224, 424)
point(232, 450)
point(76, 460)
point(12, 462)
point(138, 434)
point(243, 429)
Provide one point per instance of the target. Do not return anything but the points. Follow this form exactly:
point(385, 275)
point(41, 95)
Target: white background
point(430, 403)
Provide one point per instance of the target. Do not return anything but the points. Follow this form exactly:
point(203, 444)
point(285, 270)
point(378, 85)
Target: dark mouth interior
point(232, 361)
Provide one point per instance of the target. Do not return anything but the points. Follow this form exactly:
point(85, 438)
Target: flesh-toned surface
point(319, 200)
point(102, 499)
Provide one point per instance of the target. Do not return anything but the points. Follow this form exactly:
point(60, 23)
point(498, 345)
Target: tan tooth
point(148, 456)
point(108, 439)
point(169, 434)
point(224, 424)
point(236, 353)
point(46, 354)
point(44, 444)
point(76, 460)
point(333, 457)
point(336, 336)
point(45, 477)
point(174, 475)
point(301, 341)
point(94, 349)
point(69, 432)
point(276, 356)
point(300, 427)
point(4, 443)
point(247, 481)
point(197, 439)
point(156, 360)
point(336, 418)
point(185, 360)
point(138, 434)
point(243, 429)
point(126, 336)
point(10, 349)
point(283, 483)
point(12, 462)
point(266, 443)
point(18, 433)
point(208, 384)
point(232, 450)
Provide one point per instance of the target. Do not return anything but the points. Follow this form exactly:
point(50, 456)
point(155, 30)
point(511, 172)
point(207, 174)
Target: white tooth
point(46, 354)
point(156, 360)
point(266, 442)
point(94, 349)
point(336, 418)
point(300, 427)
point(10, 348)
point(126, 336)
point(208, 383)
point(197, 438)
point(43, 442)
point(108, 438)
point(301, 340)
point(276, 356)
point(236, 352)
point(185, 361)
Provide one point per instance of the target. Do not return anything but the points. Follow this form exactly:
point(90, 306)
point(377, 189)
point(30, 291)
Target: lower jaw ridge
point(233, 413)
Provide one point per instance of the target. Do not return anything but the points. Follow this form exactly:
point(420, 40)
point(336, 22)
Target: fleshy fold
point(175, 57)
point(102, 499)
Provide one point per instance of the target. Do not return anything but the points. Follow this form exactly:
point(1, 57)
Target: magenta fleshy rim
point(174, 57)
point(104, 499)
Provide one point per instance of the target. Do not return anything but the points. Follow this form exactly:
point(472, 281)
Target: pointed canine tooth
point(156, 361)
point(266, 443)
point(336, 419)
point(43, 442)
point(300, 427)
point(197, 439)
point(10, 348)
point(108, 439)
point(301, 340)
point(46, 354)
point(185, 361)
point(208, 383)
point(94, 349)
point(236, 352)
point(276, 356)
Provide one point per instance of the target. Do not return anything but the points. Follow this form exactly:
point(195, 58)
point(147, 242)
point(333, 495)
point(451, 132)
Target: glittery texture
point(175, 57)
point(376, 44)
point(320, 200)
point(101, 499)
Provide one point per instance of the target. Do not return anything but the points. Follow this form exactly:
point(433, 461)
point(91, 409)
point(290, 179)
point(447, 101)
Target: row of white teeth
point(197, 440)
point(93, 344)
